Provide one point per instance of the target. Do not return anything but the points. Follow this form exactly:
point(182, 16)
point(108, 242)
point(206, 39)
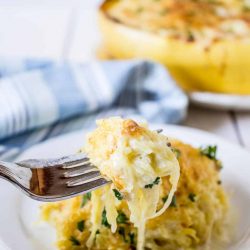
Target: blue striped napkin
point(43, 99)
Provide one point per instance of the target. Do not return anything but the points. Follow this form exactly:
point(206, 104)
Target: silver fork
point(53, 179)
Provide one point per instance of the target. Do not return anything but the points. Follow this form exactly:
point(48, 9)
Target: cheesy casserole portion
point(131, 213)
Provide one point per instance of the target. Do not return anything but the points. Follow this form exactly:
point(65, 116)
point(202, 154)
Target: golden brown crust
point(131, 128)
point(180, 16)
point(195, 167)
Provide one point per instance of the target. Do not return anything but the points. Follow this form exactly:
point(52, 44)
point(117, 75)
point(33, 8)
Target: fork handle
point(14, 173)
point(6, 169)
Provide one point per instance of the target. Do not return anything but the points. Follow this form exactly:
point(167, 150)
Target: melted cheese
point(189, 20)
point(135, 159)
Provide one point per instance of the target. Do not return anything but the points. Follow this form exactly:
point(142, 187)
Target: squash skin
point(223, 67)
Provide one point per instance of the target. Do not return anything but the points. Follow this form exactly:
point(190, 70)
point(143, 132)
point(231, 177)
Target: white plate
point(19, 226)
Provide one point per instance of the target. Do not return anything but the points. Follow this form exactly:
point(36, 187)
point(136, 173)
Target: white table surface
point(63, 29)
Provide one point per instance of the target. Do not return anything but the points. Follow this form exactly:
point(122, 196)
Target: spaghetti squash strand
point(135, 159)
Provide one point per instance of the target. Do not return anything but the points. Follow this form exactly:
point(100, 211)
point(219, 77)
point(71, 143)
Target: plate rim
point(220, 101)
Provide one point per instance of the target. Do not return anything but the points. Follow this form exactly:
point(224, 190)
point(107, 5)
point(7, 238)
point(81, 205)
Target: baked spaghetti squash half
point(205, 44)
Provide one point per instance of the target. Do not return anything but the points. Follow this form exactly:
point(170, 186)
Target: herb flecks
point(159, 130)
point(121, 231)
point(121, 218)
point(85, 198)
point(155, 182)
point(104, 219)
point(192, 197)
point(118, 195)
point(75, 241)
point(177, 152)
point(173, 202)
point(132, 238)
point(80, 225)
point(211, 153)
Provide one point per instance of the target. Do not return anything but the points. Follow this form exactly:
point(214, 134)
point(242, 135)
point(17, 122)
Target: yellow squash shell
point(223, 66)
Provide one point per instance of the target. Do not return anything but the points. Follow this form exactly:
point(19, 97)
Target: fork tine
point(80, 171)
point(87, 187)
point(75, 163)
point(84, 179)
point(70, 161)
